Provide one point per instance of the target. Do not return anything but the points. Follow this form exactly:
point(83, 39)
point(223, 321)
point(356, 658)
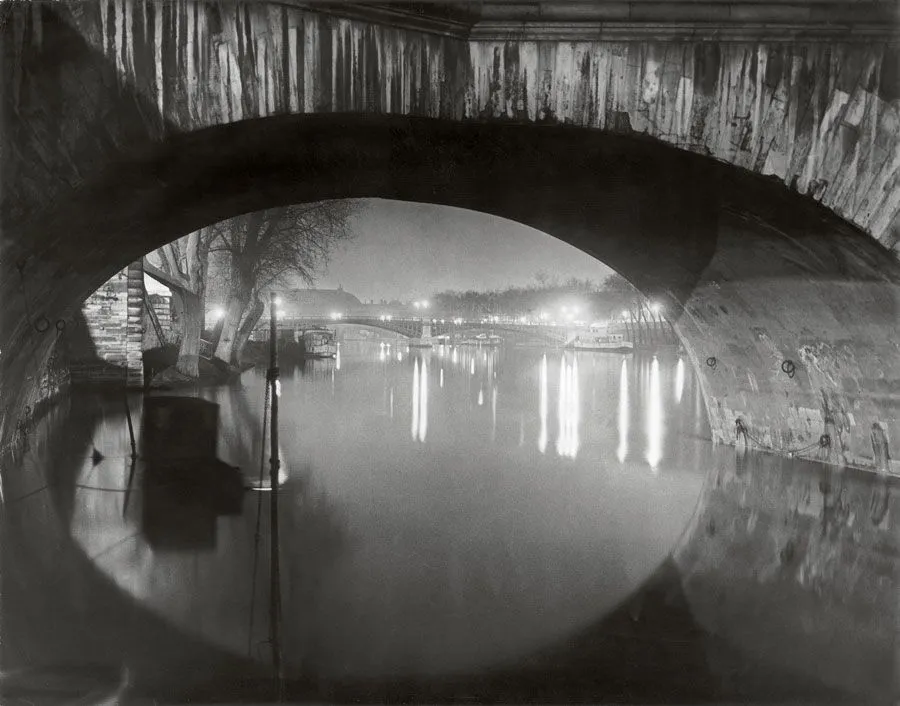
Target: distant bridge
point(417, 328)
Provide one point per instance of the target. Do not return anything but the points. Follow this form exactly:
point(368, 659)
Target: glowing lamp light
point(218, 312)
point(277, 301)
point(336, 315)
point(624, 314)
point(425, 304)
point(655, 307)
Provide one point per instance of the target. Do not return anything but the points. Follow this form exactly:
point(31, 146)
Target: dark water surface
point(462, 512)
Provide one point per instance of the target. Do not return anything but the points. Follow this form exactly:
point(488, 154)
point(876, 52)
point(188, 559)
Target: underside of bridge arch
point(788, 313)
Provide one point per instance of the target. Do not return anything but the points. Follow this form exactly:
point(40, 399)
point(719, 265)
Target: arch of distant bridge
point(413, 328)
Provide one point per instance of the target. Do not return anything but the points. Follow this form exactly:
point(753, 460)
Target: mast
point(275, 606)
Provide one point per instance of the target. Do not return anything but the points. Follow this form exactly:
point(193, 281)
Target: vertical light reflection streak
point(480, 396)
point(392, 403)
point(337, 358)
point(423, 392)
point(622, 452)
point(561, 407)
point(454, 357)
point(569, 409)
point(542, 439)
point(442, 377)
point(494, 414)
point(415, 401)
point(654, 418)
point(472, 367)
point(575, 409)
point(679, 380)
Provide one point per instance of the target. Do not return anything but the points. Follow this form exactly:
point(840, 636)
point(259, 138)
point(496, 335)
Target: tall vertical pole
point(275, 607)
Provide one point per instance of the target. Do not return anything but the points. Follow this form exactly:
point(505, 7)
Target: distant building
point(320, 302)
point(163, 308)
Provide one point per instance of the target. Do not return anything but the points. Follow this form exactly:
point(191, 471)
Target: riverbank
point(160, 371)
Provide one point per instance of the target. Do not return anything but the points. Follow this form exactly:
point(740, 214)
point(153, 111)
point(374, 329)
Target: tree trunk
point(234, 309)
point(245, 329)
point(191, 328)
point(241, 281)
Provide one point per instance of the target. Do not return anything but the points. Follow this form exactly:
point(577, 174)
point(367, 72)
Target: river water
point(443, 510)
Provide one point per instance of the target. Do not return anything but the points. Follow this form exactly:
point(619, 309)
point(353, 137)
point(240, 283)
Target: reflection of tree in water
point(312, 531)
point(241, 429)
point(314, 535)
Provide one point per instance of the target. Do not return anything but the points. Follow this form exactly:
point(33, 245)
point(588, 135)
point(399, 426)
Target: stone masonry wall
point(112, 352)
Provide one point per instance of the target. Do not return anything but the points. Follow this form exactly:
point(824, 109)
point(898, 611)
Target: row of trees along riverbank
point(241, 259)
point(604, 300)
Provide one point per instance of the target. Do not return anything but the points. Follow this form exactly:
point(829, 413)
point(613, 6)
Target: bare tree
point(266, 248)
point(182, 266)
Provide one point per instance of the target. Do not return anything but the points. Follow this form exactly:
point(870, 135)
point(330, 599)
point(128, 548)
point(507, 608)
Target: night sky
point(409, 251)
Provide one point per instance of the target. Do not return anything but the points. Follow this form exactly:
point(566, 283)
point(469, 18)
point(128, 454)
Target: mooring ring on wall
point(60, 325)
point(42, 324)
point(712, 362)
point(788, 367)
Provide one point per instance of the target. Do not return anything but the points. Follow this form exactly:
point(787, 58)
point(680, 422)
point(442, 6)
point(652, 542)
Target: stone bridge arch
point(759, 280)
point(816, 110)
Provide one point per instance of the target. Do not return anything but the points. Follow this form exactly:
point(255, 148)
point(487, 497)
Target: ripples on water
point(444, 510)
